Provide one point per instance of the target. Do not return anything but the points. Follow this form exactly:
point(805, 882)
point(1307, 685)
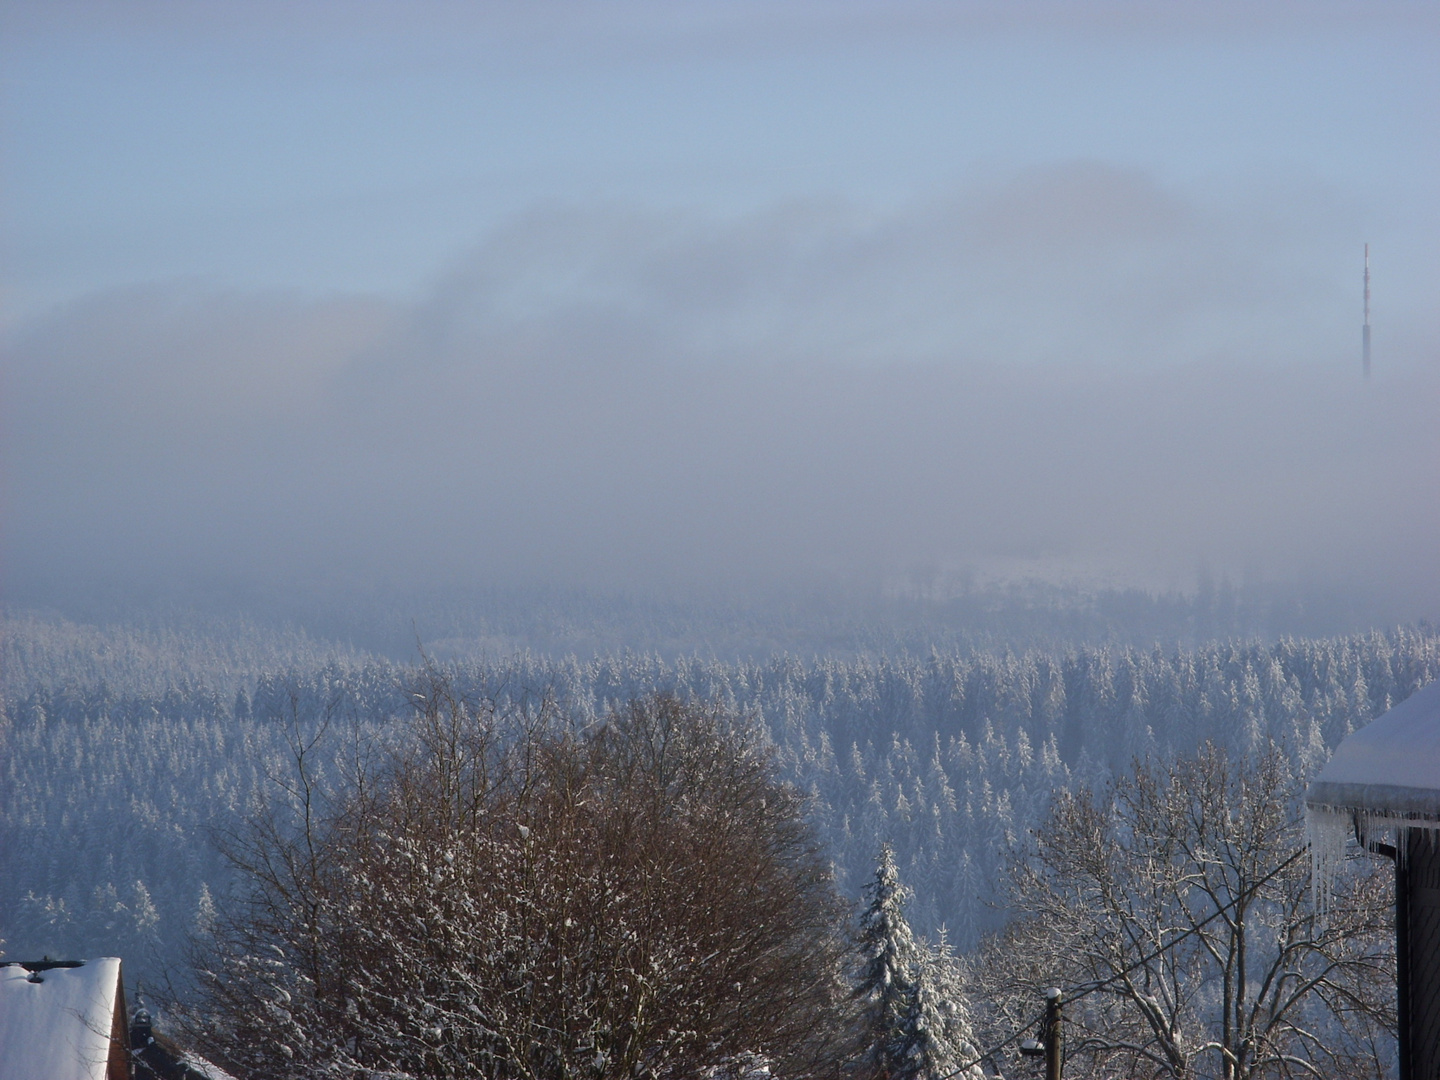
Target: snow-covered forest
point(112, 794)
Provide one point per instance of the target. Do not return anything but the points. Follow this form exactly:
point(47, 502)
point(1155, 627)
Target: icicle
point(1326, 832)
point(1328, 829)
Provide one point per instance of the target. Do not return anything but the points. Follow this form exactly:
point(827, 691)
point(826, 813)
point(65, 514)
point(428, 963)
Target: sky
point(633, 295)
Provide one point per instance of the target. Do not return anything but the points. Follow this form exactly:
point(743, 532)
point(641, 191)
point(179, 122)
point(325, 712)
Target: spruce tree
point(886, 987)
point(915, 1026)
point(943, 1041)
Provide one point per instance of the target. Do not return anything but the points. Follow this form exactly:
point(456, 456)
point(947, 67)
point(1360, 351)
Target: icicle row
point(1329, 830)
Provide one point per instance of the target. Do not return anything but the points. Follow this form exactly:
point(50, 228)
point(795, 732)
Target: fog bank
point(1074, 374)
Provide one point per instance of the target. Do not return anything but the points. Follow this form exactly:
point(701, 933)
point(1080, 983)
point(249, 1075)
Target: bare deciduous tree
point(510, 897)
point(1175, 909)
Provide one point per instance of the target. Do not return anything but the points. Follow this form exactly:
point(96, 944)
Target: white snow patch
point(1382, 783)
point(57, 1025)
point(1391, 765)
point(207, 1069)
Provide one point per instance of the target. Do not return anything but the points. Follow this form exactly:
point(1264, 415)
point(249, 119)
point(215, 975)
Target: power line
point(1092, 988)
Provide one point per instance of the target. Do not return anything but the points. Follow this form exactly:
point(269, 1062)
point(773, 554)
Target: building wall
point(1423, 872)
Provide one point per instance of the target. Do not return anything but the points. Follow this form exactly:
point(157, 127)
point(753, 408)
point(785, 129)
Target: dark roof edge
point(43, 965)
point(1389, 800)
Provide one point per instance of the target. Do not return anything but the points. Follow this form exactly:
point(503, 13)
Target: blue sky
point(339, 147)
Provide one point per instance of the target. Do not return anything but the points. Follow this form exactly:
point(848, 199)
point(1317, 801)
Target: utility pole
point(1365, 348)
point(1054, 1042)
point(1051, 1044)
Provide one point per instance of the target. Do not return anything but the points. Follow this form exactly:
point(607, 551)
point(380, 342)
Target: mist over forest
point(1076, 379)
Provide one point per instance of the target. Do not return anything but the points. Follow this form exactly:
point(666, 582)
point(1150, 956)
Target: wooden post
point(1054, 1049)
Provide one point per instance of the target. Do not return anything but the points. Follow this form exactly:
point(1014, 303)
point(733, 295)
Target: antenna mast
point(1365, 351)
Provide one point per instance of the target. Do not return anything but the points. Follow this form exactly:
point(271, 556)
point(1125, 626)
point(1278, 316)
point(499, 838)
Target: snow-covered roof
point(56, 1024)
point(1390, 768)
point(207, 1069)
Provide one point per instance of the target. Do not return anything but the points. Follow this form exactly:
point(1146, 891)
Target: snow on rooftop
point(1390, 767)
point(207, 1069)
point(1383, 780)
point(56, 1024)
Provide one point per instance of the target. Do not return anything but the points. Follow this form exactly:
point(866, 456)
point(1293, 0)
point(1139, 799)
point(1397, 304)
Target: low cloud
point(1074, 263)
point(1073, 368)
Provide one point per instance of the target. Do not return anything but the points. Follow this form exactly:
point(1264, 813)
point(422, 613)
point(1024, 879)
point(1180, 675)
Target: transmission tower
point(1365, 335)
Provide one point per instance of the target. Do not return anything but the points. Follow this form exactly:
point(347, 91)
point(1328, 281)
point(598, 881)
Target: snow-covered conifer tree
point(943, 1043)
point(889, 958)
point(915, 1023)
